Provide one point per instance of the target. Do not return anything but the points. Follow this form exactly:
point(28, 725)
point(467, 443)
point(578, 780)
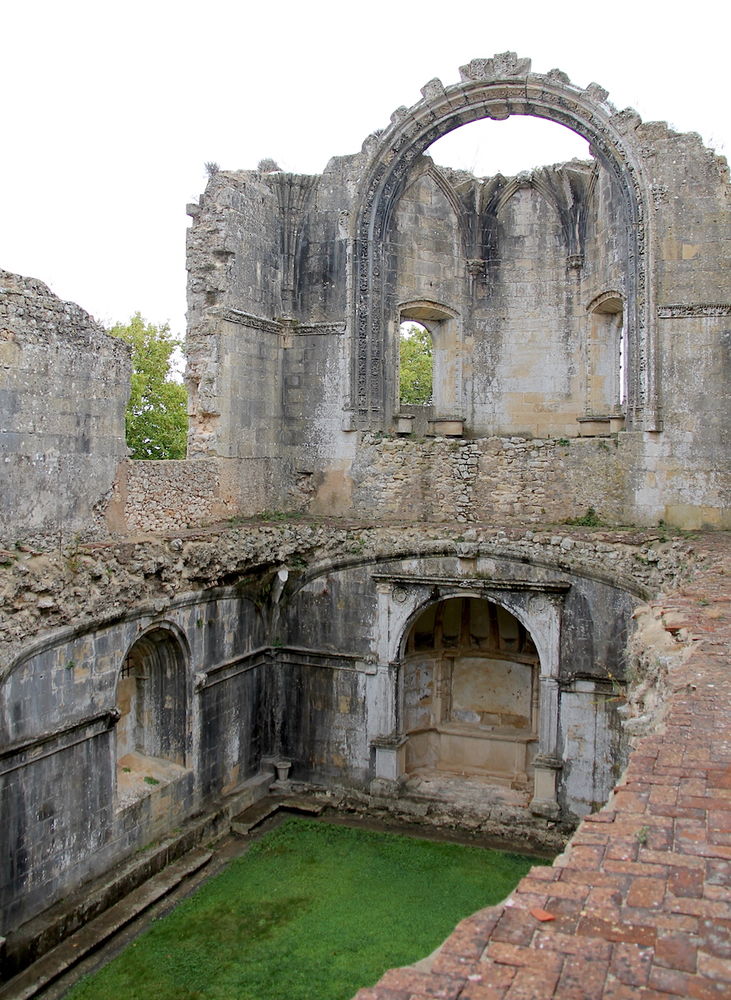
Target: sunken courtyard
point(504, 611)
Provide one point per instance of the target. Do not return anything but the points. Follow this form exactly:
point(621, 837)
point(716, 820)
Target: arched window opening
point(470, 693)
point(416, 372)
point(429, 383)
point(152, 703)
point(606, 365)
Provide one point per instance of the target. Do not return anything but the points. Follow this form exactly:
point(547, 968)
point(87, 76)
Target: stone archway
point(498, 88)
point(470, 693)
point(535, 608)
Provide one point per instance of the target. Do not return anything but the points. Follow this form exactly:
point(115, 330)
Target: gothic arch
point(497, 88)
point(432, 171)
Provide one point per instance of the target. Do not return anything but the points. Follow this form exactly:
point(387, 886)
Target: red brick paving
point(642, 898)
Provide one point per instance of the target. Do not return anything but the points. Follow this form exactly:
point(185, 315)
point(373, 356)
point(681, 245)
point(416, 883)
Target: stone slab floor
point(639, 906)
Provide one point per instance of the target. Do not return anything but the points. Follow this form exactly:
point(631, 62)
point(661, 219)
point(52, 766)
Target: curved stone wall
point(291, 636)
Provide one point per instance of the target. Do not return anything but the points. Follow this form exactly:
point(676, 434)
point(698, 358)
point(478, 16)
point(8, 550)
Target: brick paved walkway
point(640, 904)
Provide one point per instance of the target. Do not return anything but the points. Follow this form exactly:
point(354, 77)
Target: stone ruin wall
point(524, 276)
point(516, 266)
point(273, 372)
point(64, 386)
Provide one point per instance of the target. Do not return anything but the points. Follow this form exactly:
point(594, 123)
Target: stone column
point(547, 763)
point(545, 627)
point(382, 693)
point(380, 698)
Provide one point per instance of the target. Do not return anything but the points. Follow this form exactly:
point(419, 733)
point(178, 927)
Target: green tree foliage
point(415, 352)
point(156, 419)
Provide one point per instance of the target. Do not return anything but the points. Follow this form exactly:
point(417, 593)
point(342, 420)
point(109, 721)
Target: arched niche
point(537, 610)
point(152, 702)
point(498, 88)
point(470, 693)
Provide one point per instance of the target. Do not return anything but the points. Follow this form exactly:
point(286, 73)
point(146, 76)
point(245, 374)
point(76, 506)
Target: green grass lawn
point(312, 911)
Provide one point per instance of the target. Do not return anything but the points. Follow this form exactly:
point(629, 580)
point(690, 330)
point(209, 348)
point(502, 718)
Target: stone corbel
point(477, 268)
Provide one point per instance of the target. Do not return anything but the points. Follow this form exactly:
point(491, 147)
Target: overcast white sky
point(109, 111)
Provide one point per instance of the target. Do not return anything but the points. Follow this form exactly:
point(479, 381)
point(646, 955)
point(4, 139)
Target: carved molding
point(283, 325)
point(694, 310)
point(498, 88)
point(308, 329)
point(31, 749)
point(242, 318)
point(400, 580)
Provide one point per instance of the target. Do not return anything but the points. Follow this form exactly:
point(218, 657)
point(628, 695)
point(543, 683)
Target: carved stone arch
point(497, 88)
point(450, 194)
point(508, 191)
point(427, 168)
point(606, 301)
point(538, 616)
point(458, 710)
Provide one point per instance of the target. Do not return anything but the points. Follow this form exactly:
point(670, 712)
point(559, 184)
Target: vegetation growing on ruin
point(156, 420)
point(313, 911)
point(588, 520)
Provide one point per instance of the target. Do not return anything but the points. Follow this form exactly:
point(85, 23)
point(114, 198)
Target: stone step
point(252, 817)
point(255, 815)
point(98, 931)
